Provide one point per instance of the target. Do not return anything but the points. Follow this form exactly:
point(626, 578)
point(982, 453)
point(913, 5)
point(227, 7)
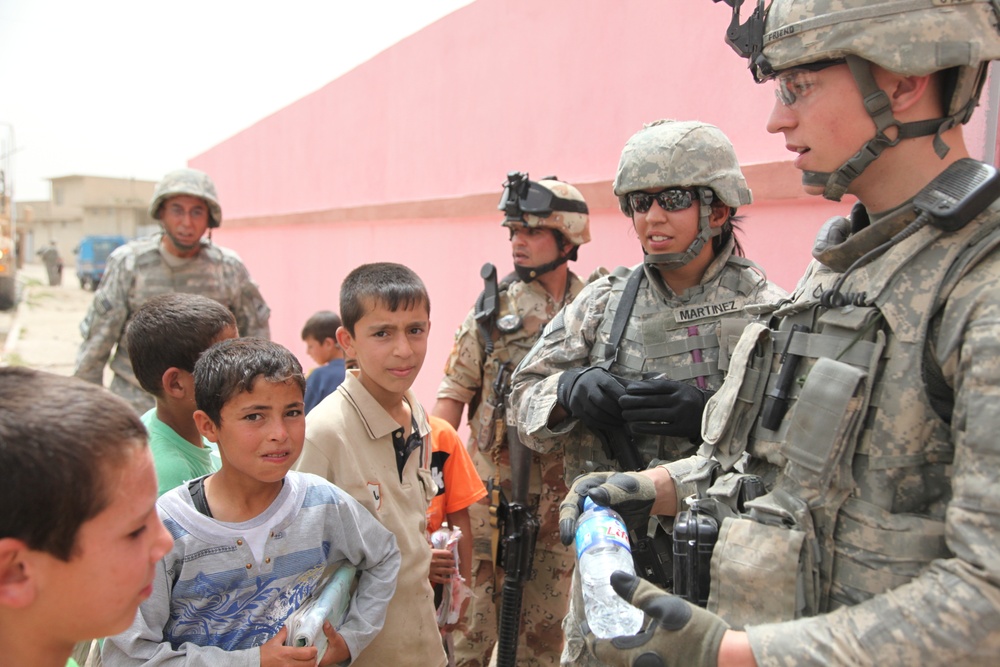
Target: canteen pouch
point(764, 568)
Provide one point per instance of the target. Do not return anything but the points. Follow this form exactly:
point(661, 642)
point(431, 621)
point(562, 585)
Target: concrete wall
point(402, 159)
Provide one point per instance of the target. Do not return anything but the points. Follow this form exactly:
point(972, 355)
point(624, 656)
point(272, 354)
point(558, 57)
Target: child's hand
point(442, 566)
point(336, 651)
point(273, 653)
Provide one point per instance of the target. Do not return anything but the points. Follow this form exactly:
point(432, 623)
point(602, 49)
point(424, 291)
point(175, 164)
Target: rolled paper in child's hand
point(305, 626)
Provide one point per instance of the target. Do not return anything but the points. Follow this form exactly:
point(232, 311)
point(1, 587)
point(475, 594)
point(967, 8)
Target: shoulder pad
point(621, 272)
point(507, 280)
point(596, 274)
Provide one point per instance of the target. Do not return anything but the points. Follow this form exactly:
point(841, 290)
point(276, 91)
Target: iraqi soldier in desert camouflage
point(548, 221)
point(577, 391)
point(177, 259)
point(878, 541)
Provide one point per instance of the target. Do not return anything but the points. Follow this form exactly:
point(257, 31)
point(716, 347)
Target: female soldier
point(601, 368)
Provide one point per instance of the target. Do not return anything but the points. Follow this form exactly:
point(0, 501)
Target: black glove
point(663, 407)
point(628, 493)
point(591, 395)
point(681, 634)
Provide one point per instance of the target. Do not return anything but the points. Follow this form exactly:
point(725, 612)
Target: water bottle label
point(601, 531)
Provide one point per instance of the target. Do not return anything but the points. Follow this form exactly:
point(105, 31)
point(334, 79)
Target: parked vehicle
point(92, 257)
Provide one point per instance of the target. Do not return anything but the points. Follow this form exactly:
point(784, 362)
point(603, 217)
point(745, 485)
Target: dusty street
point(43, 332)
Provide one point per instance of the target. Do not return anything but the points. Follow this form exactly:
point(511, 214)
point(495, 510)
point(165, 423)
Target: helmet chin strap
point(529, 273)
point(669, 261)
point(879, 107)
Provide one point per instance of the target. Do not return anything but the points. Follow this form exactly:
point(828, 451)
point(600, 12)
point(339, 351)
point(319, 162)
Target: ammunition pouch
point(492, 429)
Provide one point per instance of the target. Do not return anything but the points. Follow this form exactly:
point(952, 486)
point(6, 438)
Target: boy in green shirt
point(165, 338)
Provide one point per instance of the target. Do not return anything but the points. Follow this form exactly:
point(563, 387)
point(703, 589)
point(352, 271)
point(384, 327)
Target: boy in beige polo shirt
point(371, 438)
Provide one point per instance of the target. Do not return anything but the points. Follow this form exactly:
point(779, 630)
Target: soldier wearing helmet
point(637, 353)
point(548, 221)
point(876, 539)
point(176, 259)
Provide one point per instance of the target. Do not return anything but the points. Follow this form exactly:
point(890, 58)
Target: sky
point(135, 88)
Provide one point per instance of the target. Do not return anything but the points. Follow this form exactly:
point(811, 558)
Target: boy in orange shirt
point(459, 487)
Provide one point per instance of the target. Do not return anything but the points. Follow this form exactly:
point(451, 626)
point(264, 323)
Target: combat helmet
point(912, 38)
point(685, 154)
point(187, 182)
point(549, 204)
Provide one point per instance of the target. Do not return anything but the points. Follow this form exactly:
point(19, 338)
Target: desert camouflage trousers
point(544, 604)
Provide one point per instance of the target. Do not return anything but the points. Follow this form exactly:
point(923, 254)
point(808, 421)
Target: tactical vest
point(667, 336)
point(205, 274)
point(858, 467)
point(509, 347)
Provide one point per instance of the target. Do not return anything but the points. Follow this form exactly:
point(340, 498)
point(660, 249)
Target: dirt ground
point(43, 331)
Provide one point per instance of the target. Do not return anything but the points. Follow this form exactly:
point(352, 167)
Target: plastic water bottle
point(601, 548)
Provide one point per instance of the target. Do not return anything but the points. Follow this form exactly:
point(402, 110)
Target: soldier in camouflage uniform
point(878, 542)
point(541, 244)
point(680, 183)
point(177, 259)
point(53, 263)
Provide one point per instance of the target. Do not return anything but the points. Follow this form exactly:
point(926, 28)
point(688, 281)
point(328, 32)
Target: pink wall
point(402, 158)
point(300, 267)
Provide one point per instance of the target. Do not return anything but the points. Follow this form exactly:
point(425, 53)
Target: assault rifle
point(520, 532)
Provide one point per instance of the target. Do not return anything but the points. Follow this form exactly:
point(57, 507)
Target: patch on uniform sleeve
point(556, 324)
point(102, 304)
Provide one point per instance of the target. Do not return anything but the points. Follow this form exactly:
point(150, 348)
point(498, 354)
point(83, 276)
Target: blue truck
point(92, 257)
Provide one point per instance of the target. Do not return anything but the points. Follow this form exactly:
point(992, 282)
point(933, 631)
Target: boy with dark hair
point(320, 336)
point(253, 540)
point(165, 338)
point(79, 533)
point(371, 438)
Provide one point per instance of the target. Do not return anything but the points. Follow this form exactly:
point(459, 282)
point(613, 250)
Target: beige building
point(82, 206)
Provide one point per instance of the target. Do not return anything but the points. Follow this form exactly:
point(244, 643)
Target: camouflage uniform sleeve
point(565, 343)
point(950, 614)
point(463, 372)
point(251, 311)
point(103, 325)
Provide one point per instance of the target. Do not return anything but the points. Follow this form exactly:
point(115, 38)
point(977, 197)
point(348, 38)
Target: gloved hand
point(663, 407)
point(571, 507)
point(681, 634)
point(591, 395)
point(628, 493)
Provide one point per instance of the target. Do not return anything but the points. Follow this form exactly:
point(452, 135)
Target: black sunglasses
point(671, 199)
